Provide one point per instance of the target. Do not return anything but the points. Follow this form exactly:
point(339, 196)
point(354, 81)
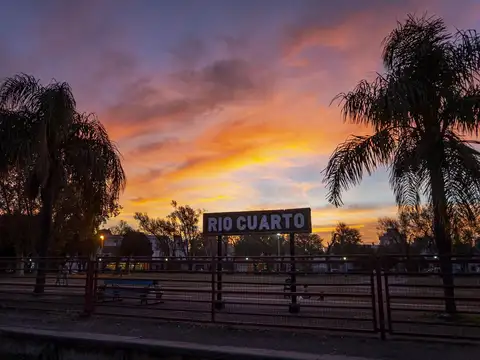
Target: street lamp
point(102, 238)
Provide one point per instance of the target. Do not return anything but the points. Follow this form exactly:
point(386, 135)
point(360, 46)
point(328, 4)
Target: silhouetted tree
point(397, 232)
point(420, 109)
point(182, 223)
point(71, 228)
point(162, 229)
point(345, 240)
point(257, 244)
point(19, 232)
point(41, 130)
point(414, 230)
point(308, 244)
point(186, 222)
point(121, 229)
point(18, 211)
point(135, 244)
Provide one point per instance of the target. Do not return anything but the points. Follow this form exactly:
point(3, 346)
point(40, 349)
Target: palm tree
point(422, 110)
point(41, 129)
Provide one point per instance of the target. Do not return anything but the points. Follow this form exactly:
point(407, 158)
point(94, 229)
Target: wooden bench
point(147, 291)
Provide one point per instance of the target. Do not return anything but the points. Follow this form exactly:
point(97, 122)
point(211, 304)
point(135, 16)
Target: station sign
point(265, 221)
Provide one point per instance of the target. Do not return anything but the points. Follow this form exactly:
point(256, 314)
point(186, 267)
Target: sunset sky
point(219, 104)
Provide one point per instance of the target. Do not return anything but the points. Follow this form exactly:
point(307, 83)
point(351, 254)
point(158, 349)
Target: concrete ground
point(284, 340)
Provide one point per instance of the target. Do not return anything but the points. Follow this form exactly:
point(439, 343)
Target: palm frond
point(462, 110)
point(391, 100)
point(467, 53)
point(17, 133)
point(20, 92)
point(415, 39)
point(408, 171)
point(94, 161)
point(352, 158)
point(462, 177)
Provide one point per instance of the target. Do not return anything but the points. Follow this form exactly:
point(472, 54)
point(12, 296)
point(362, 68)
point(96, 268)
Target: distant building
point(179, 248)
point(155, 246)
point(110, 245)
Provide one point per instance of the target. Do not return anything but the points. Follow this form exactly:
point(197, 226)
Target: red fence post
point(213, 283)
point(381, 313)
point(374, 296)
point(219, 304)
point(387, 303)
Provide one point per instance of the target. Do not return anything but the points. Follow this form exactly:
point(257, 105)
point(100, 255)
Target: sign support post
point(219, 304)
point(294, 307)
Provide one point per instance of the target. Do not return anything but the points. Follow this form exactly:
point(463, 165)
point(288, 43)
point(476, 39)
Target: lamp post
point(102, 238)
point(294, 306)
point(278, 252)
point(329, 248)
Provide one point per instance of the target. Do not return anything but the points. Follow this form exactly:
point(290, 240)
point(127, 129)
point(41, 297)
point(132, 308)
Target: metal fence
point(390, 296)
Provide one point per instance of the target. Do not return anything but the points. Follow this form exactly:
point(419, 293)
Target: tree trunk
point(442, 234)
point(44, 240)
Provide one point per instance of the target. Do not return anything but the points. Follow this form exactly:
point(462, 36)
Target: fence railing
point(386, 296)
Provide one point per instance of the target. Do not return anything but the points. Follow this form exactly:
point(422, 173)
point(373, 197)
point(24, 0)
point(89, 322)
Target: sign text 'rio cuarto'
point(265, 221)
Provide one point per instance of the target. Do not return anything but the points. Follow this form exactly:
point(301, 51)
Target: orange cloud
point(200, 169)
point(272, 133)
point(146, 200)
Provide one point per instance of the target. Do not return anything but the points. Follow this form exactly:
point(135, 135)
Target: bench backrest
point(128, 282)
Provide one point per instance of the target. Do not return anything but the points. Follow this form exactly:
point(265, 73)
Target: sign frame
point(296, 220)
